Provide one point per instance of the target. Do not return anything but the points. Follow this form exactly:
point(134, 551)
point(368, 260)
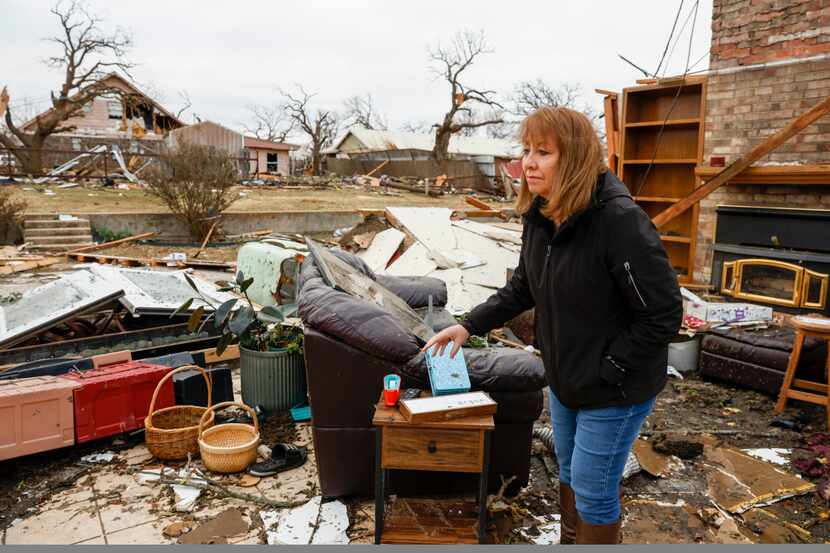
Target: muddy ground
point(93, 198)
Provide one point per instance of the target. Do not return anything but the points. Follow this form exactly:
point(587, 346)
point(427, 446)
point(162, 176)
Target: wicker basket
point(231, 447)
point(173, 432)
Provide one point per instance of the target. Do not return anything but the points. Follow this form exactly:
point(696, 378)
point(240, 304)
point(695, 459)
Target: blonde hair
point(580, 160)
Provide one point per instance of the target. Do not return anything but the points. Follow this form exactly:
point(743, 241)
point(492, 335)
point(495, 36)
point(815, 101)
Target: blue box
point(446, 375)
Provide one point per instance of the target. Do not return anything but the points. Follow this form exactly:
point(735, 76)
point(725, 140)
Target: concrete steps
point(50, 233)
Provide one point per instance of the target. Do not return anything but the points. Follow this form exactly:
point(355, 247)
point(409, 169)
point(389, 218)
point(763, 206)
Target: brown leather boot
point(597, 533)
point(569, 516)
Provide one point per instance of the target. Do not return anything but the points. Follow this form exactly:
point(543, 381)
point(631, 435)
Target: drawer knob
point(432, 447)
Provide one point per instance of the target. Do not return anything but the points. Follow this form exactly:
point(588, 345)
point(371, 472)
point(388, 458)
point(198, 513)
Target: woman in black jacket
point(607, 305)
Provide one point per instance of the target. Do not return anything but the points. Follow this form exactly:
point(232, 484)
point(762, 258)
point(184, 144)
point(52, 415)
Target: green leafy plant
point(263, 330)
point(103, 234)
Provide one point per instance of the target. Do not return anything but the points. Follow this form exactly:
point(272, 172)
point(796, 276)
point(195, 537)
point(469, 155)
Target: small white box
point(728, 312)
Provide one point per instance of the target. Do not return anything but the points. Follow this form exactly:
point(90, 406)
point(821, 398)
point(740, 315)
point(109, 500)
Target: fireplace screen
point(775, 282)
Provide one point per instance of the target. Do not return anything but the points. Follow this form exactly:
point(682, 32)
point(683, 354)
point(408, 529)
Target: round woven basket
point(231, 447)
point(173, 432)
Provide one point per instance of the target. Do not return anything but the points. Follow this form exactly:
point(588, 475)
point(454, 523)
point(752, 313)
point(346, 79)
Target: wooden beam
point(205, 241)
point(107, 245)
point(475, 202)
point(211, 357)
point(16, 267)
point(773, 174)
point(606, 92)
point(735, 168)
point(378, 168)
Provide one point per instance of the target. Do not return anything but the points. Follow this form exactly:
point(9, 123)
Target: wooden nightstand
point(457, 445)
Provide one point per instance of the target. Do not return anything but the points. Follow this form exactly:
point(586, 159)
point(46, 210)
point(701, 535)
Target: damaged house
point(128, 120)
point(477, 162)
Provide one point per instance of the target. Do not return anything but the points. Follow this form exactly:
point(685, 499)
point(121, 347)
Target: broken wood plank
point(378, 168)
point(16, 267)
point(254, 234)
point(107, 245)
point(736, 167)
point(205, 241)
point(211, 357)
point(475, 202)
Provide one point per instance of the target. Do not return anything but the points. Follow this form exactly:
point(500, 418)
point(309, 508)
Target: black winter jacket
point(606, 297)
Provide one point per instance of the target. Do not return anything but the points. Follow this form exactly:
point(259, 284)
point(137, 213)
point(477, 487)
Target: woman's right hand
point(457, 333)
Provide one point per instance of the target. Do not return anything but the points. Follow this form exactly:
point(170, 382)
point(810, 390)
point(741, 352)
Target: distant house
point(379, 145)
point(208, 133)
point(269, 158)
point(263, 157)
point(126, 119)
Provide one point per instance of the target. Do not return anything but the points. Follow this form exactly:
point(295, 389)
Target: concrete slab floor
point(58, 525)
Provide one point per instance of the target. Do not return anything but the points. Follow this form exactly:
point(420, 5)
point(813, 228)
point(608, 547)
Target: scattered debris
point(548, 532)
point(775, 455)
point(651, 461)
point(679, 446)
point(177, 529)
point(247, 481)
point(739, 482)
point(226, 525)
point(93, 458)
point(314, 522)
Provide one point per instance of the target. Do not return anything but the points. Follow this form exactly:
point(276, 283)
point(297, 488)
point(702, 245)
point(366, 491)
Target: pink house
point(269, 158)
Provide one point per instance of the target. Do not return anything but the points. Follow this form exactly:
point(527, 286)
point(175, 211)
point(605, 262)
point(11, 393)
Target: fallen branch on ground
point(216, 487)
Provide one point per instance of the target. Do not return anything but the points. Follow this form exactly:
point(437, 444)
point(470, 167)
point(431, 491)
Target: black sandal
point(283, 457)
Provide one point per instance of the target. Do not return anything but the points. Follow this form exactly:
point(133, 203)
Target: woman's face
point(539, 165)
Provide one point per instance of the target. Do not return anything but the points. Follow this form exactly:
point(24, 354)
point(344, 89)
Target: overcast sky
point(228, 55)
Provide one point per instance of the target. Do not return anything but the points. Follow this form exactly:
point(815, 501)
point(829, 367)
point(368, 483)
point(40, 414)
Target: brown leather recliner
point(351, 344)
point(344, 384)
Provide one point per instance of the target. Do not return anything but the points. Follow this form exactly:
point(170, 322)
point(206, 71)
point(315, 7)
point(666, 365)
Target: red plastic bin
point(116, 398)
point(35, 415)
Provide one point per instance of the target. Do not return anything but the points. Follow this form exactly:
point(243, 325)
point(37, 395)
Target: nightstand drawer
point(433, 449)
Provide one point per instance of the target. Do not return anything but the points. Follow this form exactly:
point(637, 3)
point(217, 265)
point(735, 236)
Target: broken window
point(115, 110)
point(272, 163)
point(76, 144)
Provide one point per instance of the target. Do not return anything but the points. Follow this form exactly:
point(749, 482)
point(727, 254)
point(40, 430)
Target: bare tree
point(269, 123)
point(86, 55)
point(319, 125)
point(528, 96)
point(361, 111)
point(186, 104)
point(196, 183)
point(419, 127)
point(449, 62)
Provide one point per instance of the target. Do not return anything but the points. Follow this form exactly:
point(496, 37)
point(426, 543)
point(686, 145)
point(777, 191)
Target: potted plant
point(270, 348)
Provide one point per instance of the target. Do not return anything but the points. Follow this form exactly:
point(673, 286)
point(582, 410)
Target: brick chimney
point(769, 62)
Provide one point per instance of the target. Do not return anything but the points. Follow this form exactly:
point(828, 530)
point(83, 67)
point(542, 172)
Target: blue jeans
point(592, 446)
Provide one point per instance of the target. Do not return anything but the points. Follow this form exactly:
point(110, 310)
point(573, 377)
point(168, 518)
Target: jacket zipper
point(545, 267)
point(627, 266)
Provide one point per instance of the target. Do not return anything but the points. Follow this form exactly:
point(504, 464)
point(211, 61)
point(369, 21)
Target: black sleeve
point(509, 301)
point(647, 282)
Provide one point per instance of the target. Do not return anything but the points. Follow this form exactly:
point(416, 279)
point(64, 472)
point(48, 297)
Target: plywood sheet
point(493, 274)
point(490, 231)
point(461, 296)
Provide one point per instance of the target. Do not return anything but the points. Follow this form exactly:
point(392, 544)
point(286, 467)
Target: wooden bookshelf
point(661, 144)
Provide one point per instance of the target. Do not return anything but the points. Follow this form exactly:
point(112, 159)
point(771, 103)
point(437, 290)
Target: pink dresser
point(36, 414)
